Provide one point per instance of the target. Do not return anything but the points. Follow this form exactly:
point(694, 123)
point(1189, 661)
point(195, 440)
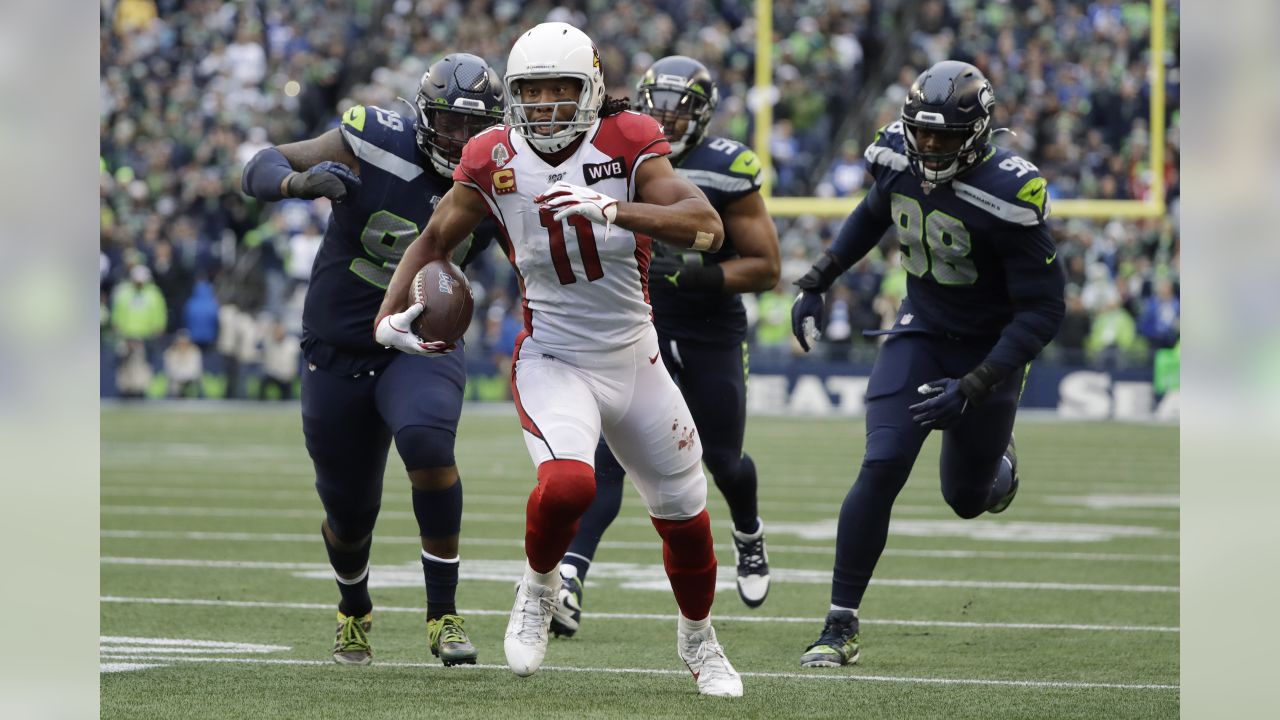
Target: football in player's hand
point(447, 303)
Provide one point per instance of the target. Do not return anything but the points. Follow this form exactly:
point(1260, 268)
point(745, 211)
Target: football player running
point(579, 186)
point(984, 296)
point(378, 167)
point(702, 326)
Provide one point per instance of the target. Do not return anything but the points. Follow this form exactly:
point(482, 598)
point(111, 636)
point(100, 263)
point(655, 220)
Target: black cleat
point(1011, 456)
point(753, 566)
point(566, 614)
point(838, 643)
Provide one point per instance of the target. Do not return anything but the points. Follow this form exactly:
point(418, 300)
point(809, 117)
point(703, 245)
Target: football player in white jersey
point(579, 186)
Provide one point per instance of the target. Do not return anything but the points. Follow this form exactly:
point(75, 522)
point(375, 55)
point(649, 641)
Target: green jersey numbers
point(937, 243)
point(385, 238)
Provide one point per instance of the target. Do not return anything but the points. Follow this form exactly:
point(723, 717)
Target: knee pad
point(351, 507)
point(675, 497)
point(350, 525)
point(421, 447)
point(565, 490)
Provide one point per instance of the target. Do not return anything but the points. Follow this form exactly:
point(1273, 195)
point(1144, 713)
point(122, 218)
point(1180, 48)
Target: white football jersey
point(582, 291)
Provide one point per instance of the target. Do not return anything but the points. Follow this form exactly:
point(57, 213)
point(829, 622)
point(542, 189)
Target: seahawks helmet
point(678, 88)
point(954, 100)
point(458, 97)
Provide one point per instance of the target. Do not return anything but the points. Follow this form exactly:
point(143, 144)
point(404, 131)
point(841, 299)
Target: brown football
point(447, 303)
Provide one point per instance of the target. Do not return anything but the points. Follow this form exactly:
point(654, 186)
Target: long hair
point(613, 106)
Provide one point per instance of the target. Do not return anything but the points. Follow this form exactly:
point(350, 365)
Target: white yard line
point(284, 513)
point(667, 618)
point(652, 570)
point(933, 524)
point(826, 549)
point(820, 676)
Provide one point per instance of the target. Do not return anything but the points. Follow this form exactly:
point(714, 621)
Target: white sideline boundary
point(666, 618)
point(818, 676)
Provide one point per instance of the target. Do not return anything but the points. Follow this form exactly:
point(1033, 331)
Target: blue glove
point(952, 397)
point(808, 306)
point(944, 408)
point(327, 179)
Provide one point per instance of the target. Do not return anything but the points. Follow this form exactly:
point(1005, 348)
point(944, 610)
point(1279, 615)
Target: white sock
point(837, 607)
point(746, 537)
point(433, 558)
point(691, 626)
point(546, 579)
point(352, 581)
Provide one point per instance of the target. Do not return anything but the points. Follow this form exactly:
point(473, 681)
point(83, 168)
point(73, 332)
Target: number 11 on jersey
point(586, 247)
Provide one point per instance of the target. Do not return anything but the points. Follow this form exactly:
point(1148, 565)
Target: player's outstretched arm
point(755, 238)
point(320, 167)
point(864, 228)
point(671, 209)
point(458, 213)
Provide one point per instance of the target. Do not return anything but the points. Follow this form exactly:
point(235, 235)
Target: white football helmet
point(552, 50)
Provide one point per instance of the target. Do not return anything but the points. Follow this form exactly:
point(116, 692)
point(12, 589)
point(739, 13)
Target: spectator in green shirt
point(1114, 339)
point(138, 311)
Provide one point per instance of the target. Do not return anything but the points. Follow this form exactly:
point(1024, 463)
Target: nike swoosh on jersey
point(654, 360)
point(1050, 258)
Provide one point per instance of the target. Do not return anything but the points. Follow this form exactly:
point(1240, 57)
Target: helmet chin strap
point(551, 143)
point(950, 172)
point(442, 167)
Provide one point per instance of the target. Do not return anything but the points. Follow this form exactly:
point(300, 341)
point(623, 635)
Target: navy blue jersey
point(726, 171)
point(977, 250)
point(366, 236)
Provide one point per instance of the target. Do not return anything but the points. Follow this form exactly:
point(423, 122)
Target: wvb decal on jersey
point(615, 168)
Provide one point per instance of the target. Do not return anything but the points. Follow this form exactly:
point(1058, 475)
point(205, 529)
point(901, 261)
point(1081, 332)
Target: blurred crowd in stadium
point(201, 287)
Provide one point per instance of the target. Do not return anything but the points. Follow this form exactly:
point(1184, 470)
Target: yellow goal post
point(1154, 206)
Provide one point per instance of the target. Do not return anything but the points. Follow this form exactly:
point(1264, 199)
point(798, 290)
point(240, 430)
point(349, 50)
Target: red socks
point(564, 492)
point(688, 552)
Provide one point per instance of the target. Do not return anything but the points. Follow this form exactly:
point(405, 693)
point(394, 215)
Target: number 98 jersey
point(366, 237)
point(970, 246)
point(582, 290)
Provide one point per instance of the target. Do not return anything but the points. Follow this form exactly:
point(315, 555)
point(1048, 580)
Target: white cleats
point(705, 658)
point(526, 640)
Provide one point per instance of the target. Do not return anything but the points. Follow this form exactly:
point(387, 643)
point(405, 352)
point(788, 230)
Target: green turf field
point(217, 601)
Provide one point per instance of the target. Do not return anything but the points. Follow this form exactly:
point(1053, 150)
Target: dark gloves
point(952, 397)
point(327, 179)
point(808, 306)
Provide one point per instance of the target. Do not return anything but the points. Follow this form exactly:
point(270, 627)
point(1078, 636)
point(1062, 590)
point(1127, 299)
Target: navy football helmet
point(459, 96)
point(674, 89)
point(946, 119)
